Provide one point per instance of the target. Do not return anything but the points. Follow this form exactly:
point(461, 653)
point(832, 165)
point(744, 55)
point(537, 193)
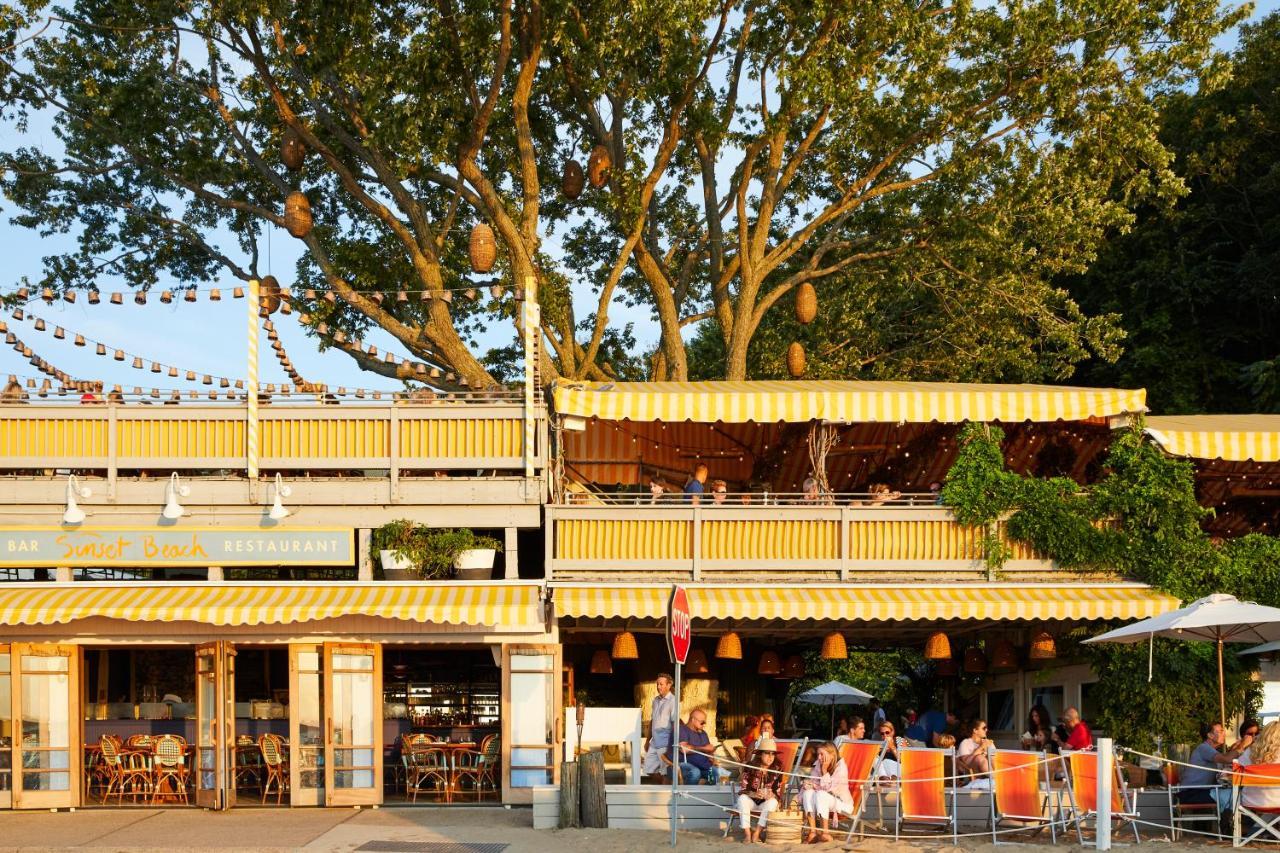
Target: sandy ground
point(267, 831)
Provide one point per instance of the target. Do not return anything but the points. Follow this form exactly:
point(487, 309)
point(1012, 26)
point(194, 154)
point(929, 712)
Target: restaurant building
point(194, 600)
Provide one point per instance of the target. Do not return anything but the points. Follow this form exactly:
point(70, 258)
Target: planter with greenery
point(413, 550)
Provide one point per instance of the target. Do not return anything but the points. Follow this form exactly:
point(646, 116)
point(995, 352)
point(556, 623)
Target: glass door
point(215, 724)
point(44, 694)
point(306, 725)
point(531, 698)
point(6, 728)
point(353, 724)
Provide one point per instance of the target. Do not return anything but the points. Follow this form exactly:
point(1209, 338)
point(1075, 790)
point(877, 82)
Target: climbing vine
point(1141, 521)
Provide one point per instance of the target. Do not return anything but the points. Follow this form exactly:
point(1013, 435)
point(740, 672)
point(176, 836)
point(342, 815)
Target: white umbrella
point(1263, 649)
point(1215, 618)
point(834, 693)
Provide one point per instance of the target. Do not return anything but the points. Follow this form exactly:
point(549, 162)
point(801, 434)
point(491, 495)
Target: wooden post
point(569, 813)
point(595, 811)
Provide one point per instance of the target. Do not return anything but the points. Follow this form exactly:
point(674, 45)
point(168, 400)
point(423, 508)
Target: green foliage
point(1195, 281)
point(1142, 522)
point(1181, 695)
point(431, 552)
point(899, 679)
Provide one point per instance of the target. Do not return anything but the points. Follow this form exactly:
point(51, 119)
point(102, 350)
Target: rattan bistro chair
point(121, 772)
point(169, 767)
point(490, 761)
point(476, 764)
point(425, 763)
point(275, 764)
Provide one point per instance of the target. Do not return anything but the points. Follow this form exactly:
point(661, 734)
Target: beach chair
point(790, 751)
point(1180, 813)
point(861, 758)
point(923, 791)
point(787, 757)
point(1265, 818)
point(1083, 794)
point(1016, 795)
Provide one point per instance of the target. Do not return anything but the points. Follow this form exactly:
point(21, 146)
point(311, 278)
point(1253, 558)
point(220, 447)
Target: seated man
point(696, 764)
point(1209, 761)
point(1077, 733)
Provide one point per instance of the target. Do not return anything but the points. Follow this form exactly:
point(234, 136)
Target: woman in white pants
point(759, 789)
point(826, 791)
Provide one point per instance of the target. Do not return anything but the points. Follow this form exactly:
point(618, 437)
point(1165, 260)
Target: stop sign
point(679, 626)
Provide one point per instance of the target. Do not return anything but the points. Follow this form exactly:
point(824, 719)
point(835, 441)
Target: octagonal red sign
point(679, 625)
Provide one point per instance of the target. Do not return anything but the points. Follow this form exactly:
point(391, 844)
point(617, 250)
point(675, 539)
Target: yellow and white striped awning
point(229, 604)
point(839, 401)
point(852, 603)
point(1232, 438)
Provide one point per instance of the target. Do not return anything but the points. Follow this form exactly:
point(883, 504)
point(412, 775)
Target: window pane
point(531, 662)
point(38, 663)
point(530, 757)
point(45, 711)
point(1000, 710)
point(46, 781)
point(353, 661)
point(1051, 699)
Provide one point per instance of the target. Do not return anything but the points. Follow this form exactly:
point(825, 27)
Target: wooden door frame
point(521, 795)
point(221, 720)
point(75, 759)
point(6, 795)
point(334, 796)
point(295, 731)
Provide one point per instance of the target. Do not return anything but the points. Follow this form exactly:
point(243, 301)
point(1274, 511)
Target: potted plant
point(399, 547)
point(459, 552)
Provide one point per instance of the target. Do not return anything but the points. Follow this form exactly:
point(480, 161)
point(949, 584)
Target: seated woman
point(759, 789)
point(971, 755)
point(889, 768)
point(826, 791)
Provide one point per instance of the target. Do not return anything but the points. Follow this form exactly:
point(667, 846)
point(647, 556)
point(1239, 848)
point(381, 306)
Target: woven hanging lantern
point(573, 181)
point(796, 360)
point(39, 325)
point(947, 669)
point(166, 297)
point(117, 299)
point(94, 297)
point(729, 647)
point(293, 151)
point(834, 647)
point(793, 667)
point(806, 303)
point(598, 165)
point(1005, 656)
point(601, 663)
point(189, 296)
point(482, 249)
point(269, 294)
point(79, 340)
point(624, 646)
point(47, 295)
point(100, 349)
point(69, 296)
point(938, 647)
point(770, 664)
point(975, 661)
point(1043, 647)
point(215, 295)
point(137, 363)
point(697, 663)
point(297, 215)
point(140, 298)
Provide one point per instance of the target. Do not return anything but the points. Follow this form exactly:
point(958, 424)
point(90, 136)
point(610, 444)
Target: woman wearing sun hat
point(759, 789)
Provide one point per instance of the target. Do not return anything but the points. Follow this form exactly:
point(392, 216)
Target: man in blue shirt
point(697, 765)
point(930, 725)
point(697, 484)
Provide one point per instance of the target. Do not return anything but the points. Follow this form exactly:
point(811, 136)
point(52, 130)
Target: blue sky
point(206, 337)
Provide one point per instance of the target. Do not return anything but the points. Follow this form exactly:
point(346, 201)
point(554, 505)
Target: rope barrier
point(1227, 771)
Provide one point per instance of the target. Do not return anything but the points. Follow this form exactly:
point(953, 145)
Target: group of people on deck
point(1203, 782)
point(701, 491)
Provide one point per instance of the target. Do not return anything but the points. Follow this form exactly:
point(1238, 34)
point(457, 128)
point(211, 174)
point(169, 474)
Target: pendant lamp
point(1005, 656)
point(697, 663)
point(938, 647)
point(975, 661)
point(834, 647)
point(601, 663)
point(624, 646)
point(770, 664)
point(729, 647)
point(793, 667)
point(1043, 647)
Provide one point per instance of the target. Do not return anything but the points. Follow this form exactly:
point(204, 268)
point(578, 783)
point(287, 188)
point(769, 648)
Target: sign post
point(679, 639)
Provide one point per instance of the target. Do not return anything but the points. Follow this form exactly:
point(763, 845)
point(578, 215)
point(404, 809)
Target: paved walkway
point(144, 830)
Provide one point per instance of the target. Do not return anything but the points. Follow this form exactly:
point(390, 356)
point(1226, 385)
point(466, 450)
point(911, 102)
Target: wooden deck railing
point(700, 543)
point(462, 435)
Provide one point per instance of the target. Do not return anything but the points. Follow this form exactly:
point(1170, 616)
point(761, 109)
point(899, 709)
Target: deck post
point(1106, 778)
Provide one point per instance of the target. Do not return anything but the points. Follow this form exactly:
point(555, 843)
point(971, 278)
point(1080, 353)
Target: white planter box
point(395, 568)
point(475, 564)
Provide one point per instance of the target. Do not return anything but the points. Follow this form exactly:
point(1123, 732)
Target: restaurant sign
point(176, 546)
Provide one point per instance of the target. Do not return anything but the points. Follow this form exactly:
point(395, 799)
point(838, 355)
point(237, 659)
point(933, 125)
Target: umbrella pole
point(1222, 686)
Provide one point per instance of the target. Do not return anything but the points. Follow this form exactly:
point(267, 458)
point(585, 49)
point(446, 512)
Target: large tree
point(1198, 282)
point(930, 157)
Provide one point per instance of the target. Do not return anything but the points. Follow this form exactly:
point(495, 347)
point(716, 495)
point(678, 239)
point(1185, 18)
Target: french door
point(41, 755)
point(215, 724)
point(306, 725)
point(352, 700)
